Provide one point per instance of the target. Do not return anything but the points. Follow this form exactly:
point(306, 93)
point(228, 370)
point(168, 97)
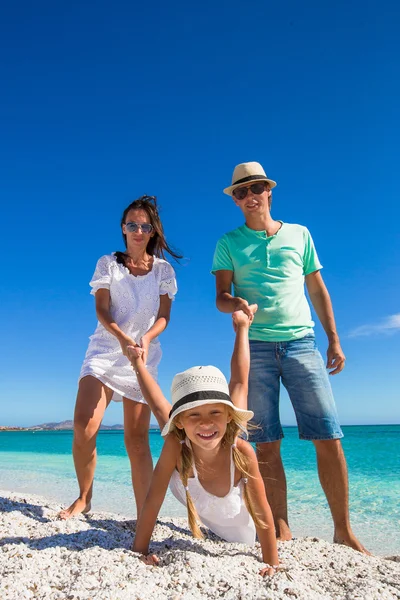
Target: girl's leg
point(91, 402)
point(136, 426)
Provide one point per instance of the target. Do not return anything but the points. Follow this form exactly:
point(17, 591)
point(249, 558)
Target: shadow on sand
point(109, 534)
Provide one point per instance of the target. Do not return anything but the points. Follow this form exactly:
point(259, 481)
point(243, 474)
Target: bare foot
point(349, 539)
point(150, 559)
point(282, 529)
point(78, 507)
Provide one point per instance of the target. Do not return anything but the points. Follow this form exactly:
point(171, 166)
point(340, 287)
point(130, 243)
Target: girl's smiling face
point(205, 425)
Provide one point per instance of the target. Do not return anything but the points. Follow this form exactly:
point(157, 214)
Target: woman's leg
point(91, 402)
point(136, 426)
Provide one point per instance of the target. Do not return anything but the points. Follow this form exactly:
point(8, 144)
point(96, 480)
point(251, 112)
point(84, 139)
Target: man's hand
point(150, 559)
point(239, 317)
point(335, 358)
point(241, 304)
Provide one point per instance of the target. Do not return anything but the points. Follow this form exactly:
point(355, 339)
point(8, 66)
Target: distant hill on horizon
point(68, 425)
point(65, 425)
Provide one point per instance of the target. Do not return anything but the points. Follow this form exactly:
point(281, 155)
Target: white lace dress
point(134, 305)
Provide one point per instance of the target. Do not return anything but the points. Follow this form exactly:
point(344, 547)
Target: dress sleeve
point(168, 281)
point(102, 275)
point(310, 258)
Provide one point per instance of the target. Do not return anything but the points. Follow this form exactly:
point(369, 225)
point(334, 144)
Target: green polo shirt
point(270, 271)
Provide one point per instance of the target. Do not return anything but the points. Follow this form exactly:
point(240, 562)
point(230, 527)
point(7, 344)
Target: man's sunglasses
point(256, 188)
point(133, 227)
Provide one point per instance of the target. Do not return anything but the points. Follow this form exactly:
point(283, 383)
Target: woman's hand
point(145, 343)
point(135, 353)
point(150, 559)
point(124, 343)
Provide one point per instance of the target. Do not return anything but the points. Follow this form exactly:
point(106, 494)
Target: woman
point(133, 291)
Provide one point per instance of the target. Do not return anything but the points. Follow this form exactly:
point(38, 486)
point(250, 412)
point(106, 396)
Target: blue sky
point(103, 102)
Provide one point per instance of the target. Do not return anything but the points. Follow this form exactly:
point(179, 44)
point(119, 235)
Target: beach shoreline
point(89, 558)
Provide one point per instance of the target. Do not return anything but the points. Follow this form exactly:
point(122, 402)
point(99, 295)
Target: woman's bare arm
point(160, 324)
point(103, 313)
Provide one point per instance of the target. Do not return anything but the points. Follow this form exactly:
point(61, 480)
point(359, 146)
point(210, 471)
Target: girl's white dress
point(134, 305)
point(228, 516)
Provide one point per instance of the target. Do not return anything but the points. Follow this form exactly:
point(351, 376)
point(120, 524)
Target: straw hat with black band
point(199, 386)
point(249, 173)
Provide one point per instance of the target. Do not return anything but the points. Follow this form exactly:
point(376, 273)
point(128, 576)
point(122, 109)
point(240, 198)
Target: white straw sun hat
point(198, 386)
point(249, 172)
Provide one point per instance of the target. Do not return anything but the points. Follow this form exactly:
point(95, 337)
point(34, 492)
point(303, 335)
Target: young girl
point(209, 468)
point(133, 291)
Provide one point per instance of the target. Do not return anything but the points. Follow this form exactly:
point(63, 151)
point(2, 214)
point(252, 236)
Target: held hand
point(241, 304)
point(135, 353)
point(239, 317)
point(150, 559)
point(145, 343)
point(335, 358)
point(124, 343)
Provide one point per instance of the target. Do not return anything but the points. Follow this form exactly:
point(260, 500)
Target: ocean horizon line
point(117, 428)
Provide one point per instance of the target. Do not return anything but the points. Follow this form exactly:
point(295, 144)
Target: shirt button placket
point(267, 253)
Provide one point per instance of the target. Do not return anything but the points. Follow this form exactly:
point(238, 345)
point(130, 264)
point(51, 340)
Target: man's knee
point(328, 447)
point(269, 451)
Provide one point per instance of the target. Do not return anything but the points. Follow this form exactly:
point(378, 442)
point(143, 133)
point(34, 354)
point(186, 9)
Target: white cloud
point(388, 325)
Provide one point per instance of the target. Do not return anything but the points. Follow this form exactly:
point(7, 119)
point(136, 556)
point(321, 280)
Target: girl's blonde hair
point(234, 427)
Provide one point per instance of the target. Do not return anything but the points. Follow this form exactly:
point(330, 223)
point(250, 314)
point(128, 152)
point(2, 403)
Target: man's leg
point(263, 400)
point(305, 377)
point(332, 471)
point(273, 474)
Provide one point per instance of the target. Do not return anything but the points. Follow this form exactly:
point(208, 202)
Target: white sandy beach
point(89, 558)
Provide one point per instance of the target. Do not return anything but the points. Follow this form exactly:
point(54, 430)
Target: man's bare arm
point(322, 304)
point(225, 301)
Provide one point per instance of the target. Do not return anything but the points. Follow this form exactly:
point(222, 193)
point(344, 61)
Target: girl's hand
point(241, 304)
point(150, 559)
point(134, 353)
point(124, 343)
point(241, 318)
point(268, 570)
point(145, 343)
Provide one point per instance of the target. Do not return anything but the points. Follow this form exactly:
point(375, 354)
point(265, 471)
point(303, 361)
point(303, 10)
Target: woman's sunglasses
point(133, 227)
point(241, 193)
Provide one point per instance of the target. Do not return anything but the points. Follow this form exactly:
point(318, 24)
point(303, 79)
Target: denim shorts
point(301, 368)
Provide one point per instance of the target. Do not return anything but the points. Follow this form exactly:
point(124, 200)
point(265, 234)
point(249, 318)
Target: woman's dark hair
point(157, 243)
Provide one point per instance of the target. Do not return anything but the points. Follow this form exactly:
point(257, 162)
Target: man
point(268, 261)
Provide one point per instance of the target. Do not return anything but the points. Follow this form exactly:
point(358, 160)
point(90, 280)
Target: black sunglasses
point(241, 193)
point(133, 227)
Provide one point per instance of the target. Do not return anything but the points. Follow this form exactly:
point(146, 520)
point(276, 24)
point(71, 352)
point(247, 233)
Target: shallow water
point(41, 462)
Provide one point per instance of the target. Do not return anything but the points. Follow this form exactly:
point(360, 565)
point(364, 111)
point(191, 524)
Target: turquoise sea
point(40, 462)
